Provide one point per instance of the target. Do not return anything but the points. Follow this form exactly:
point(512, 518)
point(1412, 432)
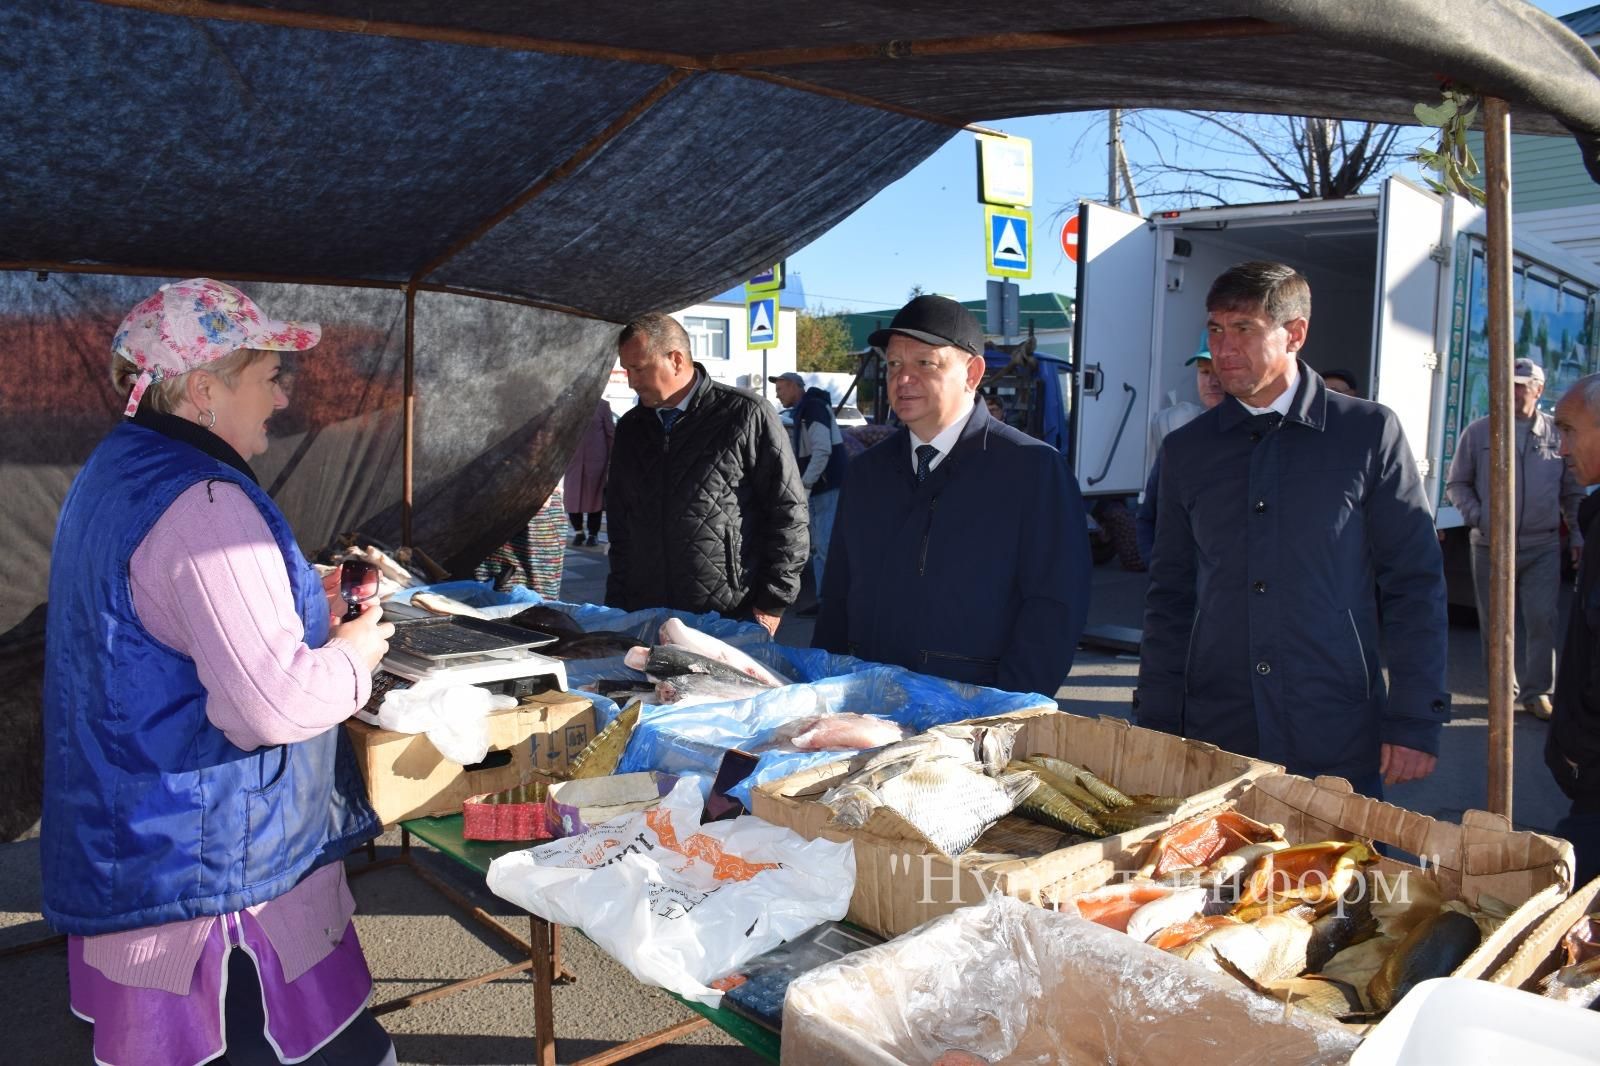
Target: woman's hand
point(367, 636)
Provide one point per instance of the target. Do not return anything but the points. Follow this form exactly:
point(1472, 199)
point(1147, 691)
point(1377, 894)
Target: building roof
point(1043, 310)
point(1584, 23)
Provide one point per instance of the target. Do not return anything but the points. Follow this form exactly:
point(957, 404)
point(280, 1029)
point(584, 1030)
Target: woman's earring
point(211, 419)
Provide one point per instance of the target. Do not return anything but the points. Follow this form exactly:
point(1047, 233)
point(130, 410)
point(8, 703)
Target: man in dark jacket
point(1572, 750)
point(819, 449)
point(706, 508)
point(1293, 542)
point(961, 549)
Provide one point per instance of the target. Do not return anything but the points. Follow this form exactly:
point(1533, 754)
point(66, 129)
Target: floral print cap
point(191, 323)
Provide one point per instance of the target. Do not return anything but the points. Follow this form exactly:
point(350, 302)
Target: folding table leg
point(544, 1011)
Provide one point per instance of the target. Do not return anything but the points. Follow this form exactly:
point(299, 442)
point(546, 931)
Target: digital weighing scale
point(467, 651)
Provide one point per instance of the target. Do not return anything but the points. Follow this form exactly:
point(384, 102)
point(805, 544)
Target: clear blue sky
point(927, 228)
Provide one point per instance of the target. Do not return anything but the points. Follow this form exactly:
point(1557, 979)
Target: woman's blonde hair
point(164, 396)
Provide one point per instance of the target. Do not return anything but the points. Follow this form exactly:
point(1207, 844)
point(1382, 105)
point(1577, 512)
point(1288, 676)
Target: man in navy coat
point(960, 548)
point(1295, 559)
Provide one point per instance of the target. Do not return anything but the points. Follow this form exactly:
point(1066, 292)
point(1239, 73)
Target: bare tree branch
point(1190, 156)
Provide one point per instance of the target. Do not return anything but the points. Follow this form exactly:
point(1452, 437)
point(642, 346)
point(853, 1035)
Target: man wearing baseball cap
point(1546, 492)
point(960, 549)
point(819, 449)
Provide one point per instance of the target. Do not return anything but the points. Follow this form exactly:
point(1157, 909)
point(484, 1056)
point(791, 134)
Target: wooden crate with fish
point(1560, 958)
point(1284, 889)
point(1009, 804)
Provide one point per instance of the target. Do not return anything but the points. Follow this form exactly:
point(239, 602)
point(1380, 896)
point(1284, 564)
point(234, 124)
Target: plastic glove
point(452, 715)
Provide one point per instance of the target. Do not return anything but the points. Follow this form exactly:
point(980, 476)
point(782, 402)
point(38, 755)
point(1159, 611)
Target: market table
point(543, 951)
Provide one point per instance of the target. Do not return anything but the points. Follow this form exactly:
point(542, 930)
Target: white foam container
point(1474, 1023)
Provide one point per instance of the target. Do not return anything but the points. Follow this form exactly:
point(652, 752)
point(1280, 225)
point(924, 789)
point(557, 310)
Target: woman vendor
point(199, 791)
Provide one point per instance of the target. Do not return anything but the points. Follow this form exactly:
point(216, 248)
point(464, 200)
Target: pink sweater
point(209, 581)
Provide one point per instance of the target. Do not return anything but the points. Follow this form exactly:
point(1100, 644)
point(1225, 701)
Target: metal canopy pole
point(408, 423)
point(1501, 529)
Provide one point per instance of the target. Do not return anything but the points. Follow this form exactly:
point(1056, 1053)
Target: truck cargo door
point(1111, 349)
point(1407, 367)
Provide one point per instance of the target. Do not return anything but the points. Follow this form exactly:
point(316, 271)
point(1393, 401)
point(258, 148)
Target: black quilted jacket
point(711, 517)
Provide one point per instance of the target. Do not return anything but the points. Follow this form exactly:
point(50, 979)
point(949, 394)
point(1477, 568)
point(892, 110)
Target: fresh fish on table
point(702, 688)
point(670, 660)
point(547, 620)
point(600, 644)
point(678, 632)
point(1433, 948)
point(844, 731)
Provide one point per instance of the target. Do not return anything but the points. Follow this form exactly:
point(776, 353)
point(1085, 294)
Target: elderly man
point(1545, 491)
point(1572, 750)
point(707, 512)
point(819, 448)
point(1289, 516)
point(961, 548)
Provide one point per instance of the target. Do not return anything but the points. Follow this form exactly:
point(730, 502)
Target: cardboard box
point(902, 881)
point(1480, 856)
point(1539, 954)
point(1010, 982)
point(566, 726)
point(408, 778)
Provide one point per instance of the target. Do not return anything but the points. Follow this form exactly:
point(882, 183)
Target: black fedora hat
point(936, 320)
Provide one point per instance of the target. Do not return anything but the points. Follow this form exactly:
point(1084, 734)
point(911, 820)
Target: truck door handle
point(1133, 394)
point(1093, 380)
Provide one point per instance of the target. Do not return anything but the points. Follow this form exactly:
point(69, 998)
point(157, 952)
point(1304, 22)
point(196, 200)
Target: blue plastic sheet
point(692, 739)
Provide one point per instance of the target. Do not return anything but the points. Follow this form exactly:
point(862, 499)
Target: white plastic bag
point(453, 715)
point(679, 903)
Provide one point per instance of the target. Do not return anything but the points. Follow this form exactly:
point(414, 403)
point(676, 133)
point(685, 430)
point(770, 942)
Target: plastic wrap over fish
point(1009, 982)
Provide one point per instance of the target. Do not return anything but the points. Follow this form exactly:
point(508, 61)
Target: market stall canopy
point(587, 161)
point(613, 157)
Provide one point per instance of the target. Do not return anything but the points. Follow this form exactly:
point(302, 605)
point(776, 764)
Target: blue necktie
point(926, 454)
point(668, 416)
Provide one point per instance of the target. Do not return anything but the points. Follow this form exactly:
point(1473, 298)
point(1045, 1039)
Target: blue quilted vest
point(150, 814)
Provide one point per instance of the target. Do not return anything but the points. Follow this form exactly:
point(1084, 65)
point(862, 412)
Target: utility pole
point(1118, 176)
point(1113, 154)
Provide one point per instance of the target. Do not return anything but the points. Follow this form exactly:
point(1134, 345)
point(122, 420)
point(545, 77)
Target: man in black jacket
point(961, 549)
point(1572, 750)
point(705, 504)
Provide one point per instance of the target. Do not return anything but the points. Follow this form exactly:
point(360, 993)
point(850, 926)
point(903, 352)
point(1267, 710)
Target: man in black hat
point(960, 548)
point(819, 449)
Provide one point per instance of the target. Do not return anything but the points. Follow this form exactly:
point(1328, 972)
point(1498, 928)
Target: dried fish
point(1043, 804)
point(1578, 980)
point(1202, 840)
point(1307, 873)
point(945, 799)
point(1098, 787)
point(1068, 787)
point(1433, 949)
point(1272, 948)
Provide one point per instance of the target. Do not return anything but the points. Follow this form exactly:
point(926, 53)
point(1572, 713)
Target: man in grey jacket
point(1545, 491)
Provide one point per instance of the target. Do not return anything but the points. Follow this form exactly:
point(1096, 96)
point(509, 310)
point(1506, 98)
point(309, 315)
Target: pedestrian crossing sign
point(761, 316)
point(1008, 239)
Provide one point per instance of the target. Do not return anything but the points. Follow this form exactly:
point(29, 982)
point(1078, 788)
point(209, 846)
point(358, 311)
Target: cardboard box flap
point(1538, 954)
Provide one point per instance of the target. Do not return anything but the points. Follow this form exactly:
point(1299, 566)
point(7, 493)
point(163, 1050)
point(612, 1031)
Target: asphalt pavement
point(414, 938)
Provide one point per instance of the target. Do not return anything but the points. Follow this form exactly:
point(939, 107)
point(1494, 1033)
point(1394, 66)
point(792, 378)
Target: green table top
point(476, 855)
